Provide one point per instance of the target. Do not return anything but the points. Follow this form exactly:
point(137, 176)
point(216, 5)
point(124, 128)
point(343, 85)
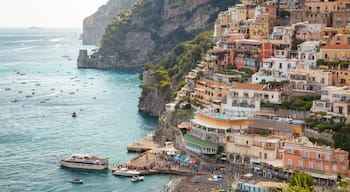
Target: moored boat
point(137, 178)
point(125, 172)
point(85, 161)
point(77, 180)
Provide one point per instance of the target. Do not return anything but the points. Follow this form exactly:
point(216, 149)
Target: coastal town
point(271, 95)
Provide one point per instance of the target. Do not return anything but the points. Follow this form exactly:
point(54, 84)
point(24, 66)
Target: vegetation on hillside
point(299, 103)
point(172, 69)
point(342, 64)
point(149, 20)
point(300, 182)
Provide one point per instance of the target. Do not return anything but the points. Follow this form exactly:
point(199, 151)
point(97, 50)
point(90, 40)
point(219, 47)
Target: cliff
point(94, 26)
point(161, 83)
point(148, 30)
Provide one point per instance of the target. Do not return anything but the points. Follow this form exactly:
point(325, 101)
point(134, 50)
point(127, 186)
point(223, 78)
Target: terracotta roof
point(340, 46)
point(248, 86)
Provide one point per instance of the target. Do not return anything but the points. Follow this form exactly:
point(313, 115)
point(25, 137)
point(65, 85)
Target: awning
point(194, 140)
point(184, 125)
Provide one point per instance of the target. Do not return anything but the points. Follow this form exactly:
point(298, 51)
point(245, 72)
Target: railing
point(241, 144)
point(269, 148)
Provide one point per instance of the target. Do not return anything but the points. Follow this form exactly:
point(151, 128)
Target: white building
point(274, 70)
point(334, 101)
point(305, 79)
point(281, 39)
point(245, 98)
point(307, 52)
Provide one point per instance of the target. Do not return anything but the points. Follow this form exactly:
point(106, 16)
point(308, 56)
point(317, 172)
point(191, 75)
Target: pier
point(144, 145)
point(154, 159)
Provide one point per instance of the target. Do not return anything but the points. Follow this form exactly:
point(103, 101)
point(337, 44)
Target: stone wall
point(316, 135)
point(285, 113)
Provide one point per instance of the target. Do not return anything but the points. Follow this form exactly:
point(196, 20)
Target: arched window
point(311, 57)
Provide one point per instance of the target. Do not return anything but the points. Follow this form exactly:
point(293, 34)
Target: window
point(334, 167)
point(290, 162)
point(341, 158)
point(326, 56)
point(327, 157)
point(320, 167)
point(338, 19)
point(300, 163)
point(280, 65)
point(311, 165)
point(340, 110)
point(306, 154)
point(289, 65)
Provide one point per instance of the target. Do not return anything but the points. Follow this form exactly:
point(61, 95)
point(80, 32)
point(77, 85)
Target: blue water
point(38, 128)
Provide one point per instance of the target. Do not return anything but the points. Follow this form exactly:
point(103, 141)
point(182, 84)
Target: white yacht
point(125, 172)
point(85, 161)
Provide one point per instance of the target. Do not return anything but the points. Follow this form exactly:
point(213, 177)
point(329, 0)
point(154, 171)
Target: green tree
point(300, 182)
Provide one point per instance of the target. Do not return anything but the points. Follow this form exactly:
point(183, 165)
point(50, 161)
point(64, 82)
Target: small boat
point(125, 172)
point(14, 100)
point(77, 180)
point(137, 178)
point(74, 114)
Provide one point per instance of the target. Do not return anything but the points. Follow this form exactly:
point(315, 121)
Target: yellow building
point(332, 35)
point(245, 12)
point(248, 149)
point(208, 131)
point(207, 91)
point(337, 52)
point(261, 28)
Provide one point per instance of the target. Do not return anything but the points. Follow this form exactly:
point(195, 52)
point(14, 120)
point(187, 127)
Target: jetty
point(155, 159)
point(144, 145)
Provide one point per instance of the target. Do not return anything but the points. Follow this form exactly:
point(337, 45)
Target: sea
point(40, 88)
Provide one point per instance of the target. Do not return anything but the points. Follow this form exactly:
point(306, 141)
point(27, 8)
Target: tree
point(300, 182)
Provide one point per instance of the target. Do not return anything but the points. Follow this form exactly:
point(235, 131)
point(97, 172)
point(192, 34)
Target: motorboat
point(137, 178)
point(77, 180)
point(125, 172)
point(85, 161)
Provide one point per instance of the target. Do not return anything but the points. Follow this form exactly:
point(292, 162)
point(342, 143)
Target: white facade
point(274, 70)
point(243, 98)
point(305, 31)
point(307, 52)
point(334, 100)
point(305, 79)
point(281, 39)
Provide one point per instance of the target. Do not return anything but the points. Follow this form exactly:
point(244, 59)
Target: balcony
point(241, 144)
point(270, 148)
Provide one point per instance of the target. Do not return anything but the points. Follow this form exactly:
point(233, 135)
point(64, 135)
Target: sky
point(46, 13)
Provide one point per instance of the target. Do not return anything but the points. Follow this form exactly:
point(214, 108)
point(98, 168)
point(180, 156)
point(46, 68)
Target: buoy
point(74, 114)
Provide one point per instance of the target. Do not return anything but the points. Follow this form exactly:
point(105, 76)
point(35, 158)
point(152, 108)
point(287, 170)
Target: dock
point(153, 159)
point(144, 145)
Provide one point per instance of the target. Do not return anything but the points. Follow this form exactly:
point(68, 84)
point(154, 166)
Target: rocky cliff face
point(150, 29)
point(160, 84)
point(94, 26)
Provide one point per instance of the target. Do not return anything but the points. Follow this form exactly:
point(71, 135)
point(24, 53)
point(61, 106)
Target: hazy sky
point(46, 13)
